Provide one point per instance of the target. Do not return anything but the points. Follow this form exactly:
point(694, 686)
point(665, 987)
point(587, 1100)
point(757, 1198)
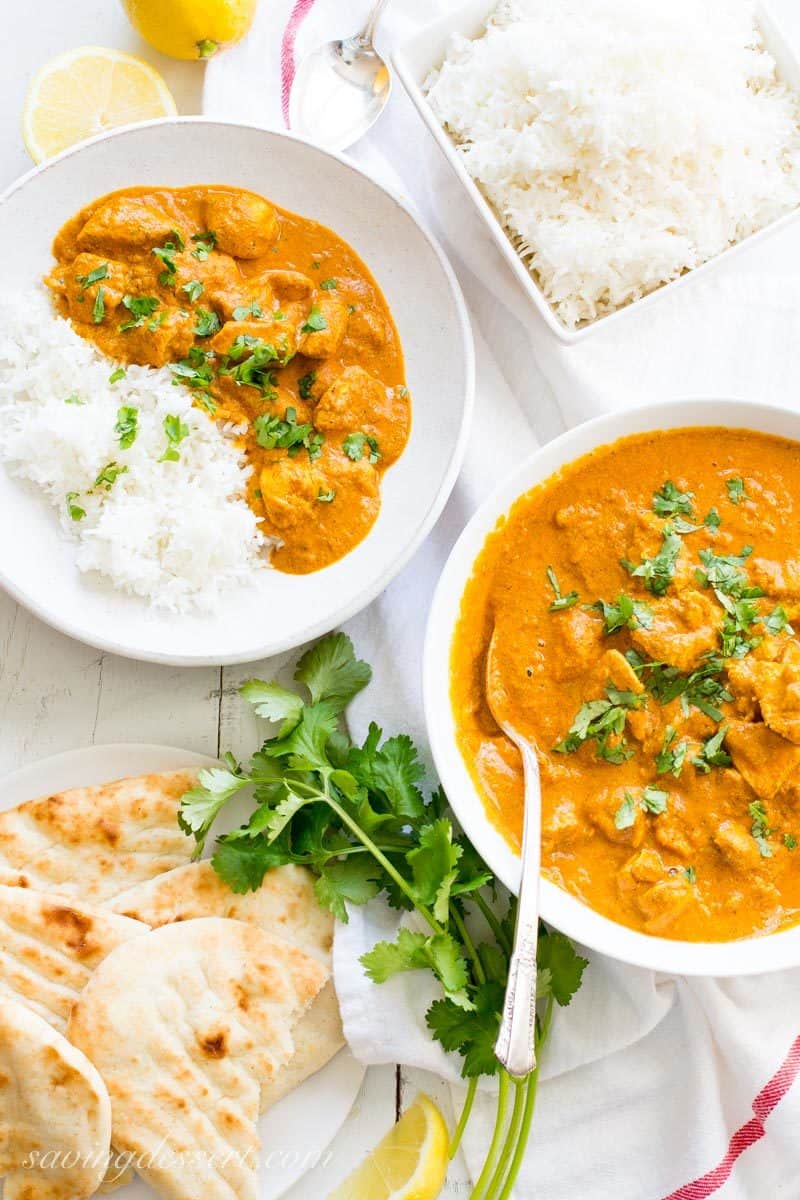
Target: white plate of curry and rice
point(231, 409)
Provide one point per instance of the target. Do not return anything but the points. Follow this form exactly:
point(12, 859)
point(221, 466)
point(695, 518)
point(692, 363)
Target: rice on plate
point(148, 486)
point(621, 142)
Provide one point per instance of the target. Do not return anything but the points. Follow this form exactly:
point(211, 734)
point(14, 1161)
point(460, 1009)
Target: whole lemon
point(191, 28)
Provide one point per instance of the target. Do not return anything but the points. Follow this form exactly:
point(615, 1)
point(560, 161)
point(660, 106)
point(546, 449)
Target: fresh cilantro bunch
point(356, 816)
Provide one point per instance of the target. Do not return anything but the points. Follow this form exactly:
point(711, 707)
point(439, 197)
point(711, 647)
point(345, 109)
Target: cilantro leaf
point(433, 866)
point(560, 602)
point(657, 572)
point(736, 490)
point(671, 500)
point(352, 879)
point(176, 432)
point(777, 622)
point(127, 425)
point(207, 323)
point(670, 759)
point(274, 703)
point(355, 444)
point(194, 289)
point(712, 520)
point(712, 753)
point(242, 863)
point(624, 613)
point(557, 955)
point(331, 671)
point(201, 805)
point(413, 951)
point(315, 321)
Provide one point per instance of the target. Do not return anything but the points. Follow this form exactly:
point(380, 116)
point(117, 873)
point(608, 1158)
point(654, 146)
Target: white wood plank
point(56, 694)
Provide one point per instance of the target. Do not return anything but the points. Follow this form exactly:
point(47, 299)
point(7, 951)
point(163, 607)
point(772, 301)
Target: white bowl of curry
point(309, 313)
point(642, 575)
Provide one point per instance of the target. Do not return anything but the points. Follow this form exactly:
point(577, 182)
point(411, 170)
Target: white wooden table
point(56, 694)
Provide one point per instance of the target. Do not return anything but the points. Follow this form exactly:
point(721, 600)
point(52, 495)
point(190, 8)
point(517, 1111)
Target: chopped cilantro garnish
point(601, 720)
point(194, 289)
point(140, 308)
point(176, 432)
point(560, 602)
point(654, 800)
point(329, 285)
point(109, 475)
point(625, 815)
point(94, 276)
point(305, 383)
point(194, 370)
point(166, 256)
point(777, 622)
point(326, 497)
point(670, 758)
point(248, 310)
point(691, 874)
point(711, 753)
point(74, 398)
point(315, 322)
point(624, 613)
point(724, 573)
point(790, 841)
point(75, 511)
point(657, 572)
point(702, 688)
point(736, 490)
point(204, 244)
point(99, 306)
point(256, 368)
point(272, 432)
point(760, 829)
point(115, 376)
point(740, 616)
point(670, 501)
point(207, 323)
point(127, 426)
point(355, 444)
point(712, 520)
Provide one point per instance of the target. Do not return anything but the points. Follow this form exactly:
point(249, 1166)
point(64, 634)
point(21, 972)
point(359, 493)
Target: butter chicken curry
point(275, 324)
point(647, 608)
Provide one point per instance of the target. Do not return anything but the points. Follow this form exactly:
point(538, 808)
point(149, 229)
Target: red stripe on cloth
point(751, 1132)
point(288, 66)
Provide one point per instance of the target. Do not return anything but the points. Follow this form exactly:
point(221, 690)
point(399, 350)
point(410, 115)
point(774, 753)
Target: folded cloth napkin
point(654, 1087)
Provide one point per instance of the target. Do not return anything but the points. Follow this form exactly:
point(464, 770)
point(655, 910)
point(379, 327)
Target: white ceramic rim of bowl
point(748, 956)
point(422, 52)
point(380, 583)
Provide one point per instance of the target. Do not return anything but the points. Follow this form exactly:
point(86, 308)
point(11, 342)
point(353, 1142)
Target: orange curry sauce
point(277, 326)
point(664, 698)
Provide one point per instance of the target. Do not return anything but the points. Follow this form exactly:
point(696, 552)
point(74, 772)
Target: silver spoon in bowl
point(341, 89)
point(516, 1041)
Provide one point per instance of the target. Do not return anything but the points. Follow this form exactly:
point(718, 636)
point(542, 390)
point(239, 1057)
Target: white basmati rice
point(621, 142)
point(179, 534)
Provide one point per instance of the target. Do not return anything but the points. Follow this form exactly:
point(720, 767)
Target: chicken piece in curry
point(646, 603)
point(278, 328)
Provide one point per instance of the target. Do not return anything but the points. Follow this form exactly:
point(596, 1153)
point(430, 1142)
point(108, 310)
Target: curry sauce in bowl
point(645, 601)
point(277, 327)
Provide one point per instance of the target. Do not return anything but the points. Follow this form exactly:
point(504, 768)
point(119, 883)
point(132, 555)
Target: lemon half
point(190, 28)
point(409, 1164)
point(87, 91)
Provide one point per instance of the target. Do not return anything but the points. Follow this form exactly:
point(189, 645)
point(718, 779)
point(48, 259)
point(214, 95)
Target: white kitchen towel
point(654, 1087)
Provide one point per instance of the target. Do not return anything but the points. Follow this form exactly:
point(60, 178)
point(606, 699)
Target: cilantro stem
point(390, 870)
point(512, 1139)
point(469, 945)
point(492, 921)
point(524, 1133)
point(466, 1112)
point(480, 1189)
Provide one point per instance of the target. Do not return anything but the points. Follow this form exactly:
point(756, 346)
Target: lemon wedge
point(191, 28)
point(409, 1164)
point(87, 91)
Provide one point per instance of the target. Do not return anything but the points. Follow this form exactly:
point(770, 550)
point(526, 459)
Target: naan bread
point(185, 1024)
point(285, 905)
point(95, 842)
point(55, 1115)
point(49, 948)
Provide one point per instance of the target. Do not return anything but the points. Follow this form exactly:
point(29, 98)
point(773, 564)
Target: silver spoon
point(516, 1042)
point(341, 89)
